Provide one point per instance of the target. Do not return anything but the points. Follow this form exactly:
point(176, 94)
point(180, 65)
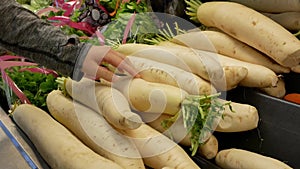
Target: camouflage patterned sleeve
point(25, 34)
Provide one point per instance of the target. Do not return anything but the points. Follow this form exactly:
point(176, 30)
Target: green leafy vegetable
point(143, 27)
point(200, 117)
point(35, 86)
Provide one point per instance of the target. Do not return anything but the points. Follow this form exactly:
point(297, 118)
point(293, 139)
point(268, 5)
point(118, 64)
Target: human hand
point(99, 54)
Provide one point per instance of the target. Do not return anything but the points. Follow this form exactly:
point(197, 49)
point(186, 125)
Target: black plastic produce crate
point(278, 133)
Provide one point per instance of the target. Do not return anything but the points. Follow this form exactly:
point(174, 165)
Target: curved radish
point(107, 101)
point(93, 130)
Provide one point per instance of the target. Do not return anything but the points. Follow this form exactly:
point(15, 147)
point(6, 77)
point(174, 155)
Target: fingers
point(97, 54)
point(121, 62)
point(105, 74)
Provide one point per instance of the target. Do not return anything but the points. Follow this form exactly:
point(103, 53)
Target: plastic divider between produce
point(18, 146)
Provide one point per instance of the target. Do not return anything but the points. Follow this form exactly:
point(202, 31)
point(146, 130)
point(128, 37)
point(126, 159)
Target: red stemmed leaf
point(128, 27)
point(14, 88)
point(84, 26)
point(64, 19)
point(47, 9)
point(10, 57)
point(7, 64)
point(40, 70)
point(69, 7)
point(59, 24)
point(100, 37)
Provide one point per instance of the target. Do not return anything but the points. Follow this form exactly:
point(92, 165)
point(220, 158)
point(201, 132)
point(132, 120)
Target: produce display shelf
point(277, 135)
point(278, 132)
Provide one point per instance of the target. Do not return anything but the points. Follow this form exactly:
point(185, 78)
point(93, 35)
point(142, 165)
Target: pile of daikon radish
point(120, 124)
point(254, 32)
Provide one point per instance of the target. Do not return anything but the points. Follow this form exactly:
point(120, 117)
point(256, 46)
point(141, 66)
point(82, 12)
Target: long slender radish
point(56, 144)
point(93, 130)
point(105, 100)
point(244, 159)
point(233, 75)
point(186, 60)
point(179, 134)
point(203, 66)
point(154, 71)
point(272, 6)
point(289, 20)
point(250, 27)
point(257, 76)
point(228, 46)
point(158, 151)
point(278, 91)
